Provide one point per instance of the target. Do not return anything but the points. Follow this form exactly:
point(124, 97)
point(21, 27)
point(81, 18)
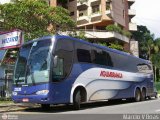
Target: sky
point(4, 1)
point(148, 14)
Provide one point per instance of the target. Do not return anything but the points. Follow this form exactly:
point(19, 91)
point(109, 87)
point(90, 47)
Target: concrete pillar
point(126, 47)
point(53, 3)
point(103, 8)
point(134, 49)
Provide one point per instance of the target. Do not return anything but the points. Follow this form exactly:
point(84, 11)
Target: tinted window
point(83, 52)
point(101, 57)
point(144, 68)
point(64, 52)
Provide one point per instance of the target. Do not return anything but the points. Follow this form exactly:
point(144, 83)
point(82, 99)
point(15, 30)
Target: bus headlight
point(14, 93)
point(42, 92)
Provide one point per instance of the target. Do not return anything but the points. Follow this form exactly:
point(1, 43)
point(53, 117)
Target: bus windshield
point(33, 63)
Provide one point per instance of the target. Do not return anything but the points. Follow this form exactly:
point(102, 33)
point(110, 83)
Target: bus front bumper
point(40, 99)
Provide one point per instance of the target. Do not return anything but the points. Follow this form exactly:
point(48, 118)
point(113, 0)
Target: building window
point(123, 13)
point(95, 9)
point(107, 6)
point(72, 13)
point(82, 13)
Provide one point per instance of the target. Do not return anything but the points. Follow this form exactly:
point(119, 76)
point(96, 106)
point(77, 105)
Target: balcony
point(106, 35)
point(130, 2)
point(82, 4)
point(108, 13)
point(97, 14)
point(83, 18)
point(95, 2)
point(131, 12)
point(132, 26)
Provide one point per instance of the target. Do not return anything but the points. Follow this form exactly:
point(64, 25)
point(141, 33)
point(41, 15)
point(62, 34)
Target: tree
point(114, 45)
point(149, 48)
point(146, 41)
point(35, 18)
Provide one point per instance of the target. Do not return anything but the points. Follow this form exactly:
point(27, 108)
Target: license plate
point(25, 100)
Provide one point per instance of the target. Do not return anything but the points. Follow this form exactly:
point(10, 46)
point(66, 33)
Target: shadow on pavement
point(67, 108)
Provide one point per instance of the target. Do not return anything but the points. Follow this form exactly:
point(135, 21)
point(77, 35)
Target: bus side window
point(83, 52)
point(83, 55)
point(144, 68)
point(64, 53)
point(101, 57)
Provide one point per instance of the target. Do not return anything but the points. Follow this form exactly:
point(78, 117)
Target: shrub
point(126, 33)
point(114, 28)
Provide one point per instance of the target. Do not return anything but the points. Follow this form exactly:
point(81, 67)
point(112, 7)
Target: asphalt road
point(96, 111)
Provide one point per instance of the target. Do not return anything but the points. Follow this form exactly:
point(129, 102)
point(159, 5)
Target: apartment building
point(93, 16)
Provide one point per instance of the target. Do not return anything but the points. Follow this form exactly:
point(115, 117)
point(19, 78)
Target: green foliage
point(115, 28)
point(155, 58)
point(79, 35)
point(5, 100)
point(149, 48)
point(158, 86)
point(115, 45)
point(126, 33)
point(35, 18)
point(145, 39)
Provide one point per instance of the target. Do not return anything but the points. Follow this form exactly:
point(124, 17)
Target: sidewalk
point(11, 107)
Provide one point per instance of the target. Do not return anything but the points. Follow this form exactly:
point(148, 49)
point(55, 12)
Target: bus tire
point(45, 106)
point(137, 96)
point(143, 94)
point(77, 100)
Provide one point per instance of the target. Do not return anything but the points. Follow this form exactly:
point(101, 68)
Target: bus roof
point(92, 44)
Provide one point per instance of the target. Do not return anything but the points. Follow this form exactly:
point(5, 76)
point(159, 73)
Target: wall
point(117, 7)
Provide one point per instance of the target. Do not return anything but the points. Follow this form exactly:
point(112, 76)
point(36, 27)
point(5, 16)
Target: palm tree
point(155, 57)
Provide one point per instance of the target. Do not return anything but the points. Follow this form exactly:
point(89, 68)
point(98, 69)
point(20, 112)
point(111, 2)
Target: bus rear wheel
point(137, 97)
point(77, 100)
point(143, 95)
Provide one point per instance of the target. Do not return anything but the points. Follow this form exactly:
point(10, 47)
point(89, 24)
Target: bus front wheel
point(77, 100)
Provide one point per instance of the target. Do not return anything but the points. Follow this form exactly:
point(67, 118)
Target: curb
point(1, 106)
point(4, 111)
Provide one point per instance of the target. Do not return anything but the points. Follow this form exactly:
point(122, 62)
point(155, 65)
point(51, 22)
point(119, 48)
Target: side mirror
point(55, 61)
